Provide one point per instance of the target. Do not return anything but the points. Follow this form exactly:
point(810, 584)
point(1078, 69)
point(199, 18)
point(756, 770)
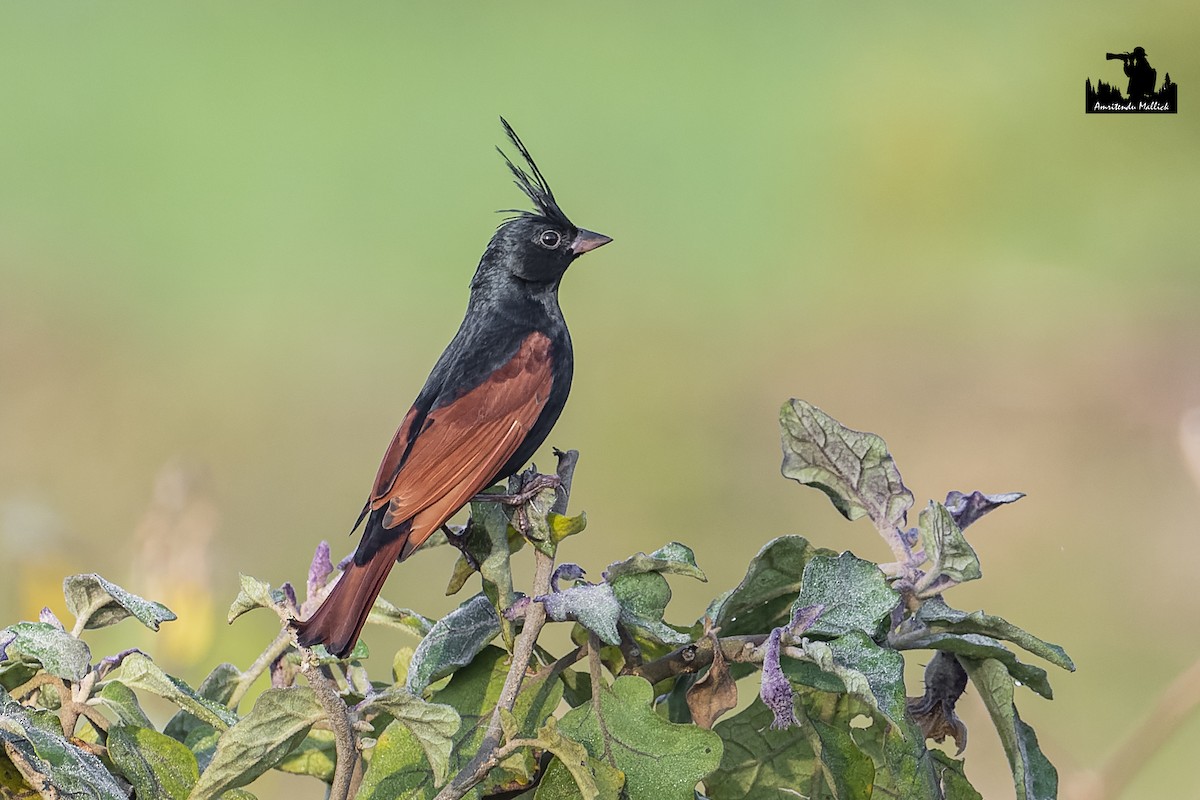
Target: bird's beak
point(588, 240)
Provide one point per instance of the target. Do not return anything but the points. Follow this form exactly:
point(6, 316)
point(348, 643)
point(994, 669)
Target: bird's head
point(538, 246)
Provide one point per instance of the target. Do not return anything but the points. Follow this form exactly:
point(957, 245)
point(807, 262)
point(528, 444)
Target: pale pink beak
point(588, 240)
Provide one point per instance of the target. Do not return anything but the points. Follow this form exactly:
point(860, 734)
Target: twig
point(535, 618)
point(597, 681)
point(260, 665)
point(339, 721)
point(83, 619)
point(692, 658)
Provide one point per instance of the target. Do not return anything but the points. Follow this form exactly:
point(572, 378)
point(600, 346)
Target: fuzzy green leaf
point(594, 606)
point(432, 724)
point(58, 652)
point(763, 598)
point(278, 722)
point(139, 672)
point(940, 617)
point(852, 467)
point(816, 759)
point(977, 646)
point(1034, 777)
point(947, 549)
point(398, 768)
point(407, 620)
point(45, 758)
point(660, 759)
point(253, 594)
point(854, 592)
point(158, 766)
point(316, 755)
point(218, 686)
point(873, 674)
point(673, 558)
point(453, 641)
point(105, 603)
point(118, 699)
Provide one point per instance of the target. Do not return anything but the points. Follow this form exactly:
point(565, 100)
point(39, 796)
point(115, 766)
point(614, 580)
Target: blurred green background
point(234, 238)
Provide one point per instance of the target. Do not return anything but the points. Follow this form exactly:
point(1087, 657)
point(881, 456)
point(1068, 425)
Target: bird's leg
point(459, 542)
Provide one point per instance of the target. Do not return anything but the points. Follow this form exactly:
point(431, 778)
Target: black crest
point(535, 185)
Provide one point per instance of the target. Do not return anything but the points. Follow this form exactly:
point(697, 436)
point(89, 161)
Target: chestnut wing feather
point(460, 446)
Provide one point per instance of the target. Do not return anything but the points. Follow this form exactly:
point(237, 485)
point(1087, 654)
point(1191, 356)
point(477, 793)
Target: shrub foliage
point(792, 680)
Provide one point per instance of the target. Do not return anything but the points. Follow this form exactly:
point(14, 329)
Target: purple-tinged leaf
point(6, 638)
point(566, 572)
point(109, 663)
point(804, 618)
point(853, 468)
point(47, 616)
point(966, 508)
point(776, 689)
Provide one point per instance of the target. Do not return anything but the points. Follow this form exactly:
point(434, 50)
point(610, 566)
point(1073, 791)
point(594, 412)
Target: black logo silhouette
point(1140, 96)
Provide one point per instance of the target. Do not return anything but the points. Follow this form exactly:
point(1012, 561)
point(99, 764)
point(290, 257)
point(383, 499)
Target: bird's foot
point(459, 542)
point(529, 490)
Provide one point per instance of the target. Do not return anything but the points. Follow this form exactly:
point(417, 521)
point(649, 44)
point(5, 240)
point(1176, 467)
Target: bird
point(488, 404)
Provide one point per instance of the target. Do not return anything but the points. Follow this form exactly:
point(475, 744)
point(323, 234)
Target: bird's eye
point(549, 239)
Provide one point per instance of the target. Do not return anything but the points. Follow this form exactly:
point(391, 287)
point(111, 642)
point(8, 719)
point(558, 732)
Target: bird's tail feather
point(337, 623)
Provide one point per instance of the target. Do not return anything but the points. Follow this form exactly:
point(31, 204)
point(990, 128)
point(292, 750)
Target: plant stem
point(535, 618)
point(339, 721)
point(260, 665)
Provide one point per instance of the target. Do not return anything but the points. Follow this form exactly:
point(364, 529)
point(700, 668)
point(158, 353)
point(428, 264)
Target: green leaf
point(432, 724)
point(763, 598)
point(854, 592)
point(202, 741)
point(1034, 777)
point(946, 547)
point(254, 594)
point(122, 703)
point(562, 526)
point(59, 653)
point(873, 674)
point(977, 646)
point(660, 759)
point(16, 669)
point(852, 467)
point(571, 755)
point(105, 603)
point(955, 785)
point(139, 672)
point(45, 758)
point(453, 641)
point(315, 756)
point(407, 620)
point(940, 617)
point(278, 722)
point(157, 765)
point(673, 558)
point(558, 782)
point(473, 692)
point(817, 759)
point(397, 768)
point(594, 606)
point(218, 686)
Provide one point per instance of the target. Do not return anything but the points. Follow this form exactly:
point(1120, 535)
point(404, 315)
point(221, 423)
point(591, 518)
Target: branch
point(692, 658)
point(339, 720)
point(535, 617)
